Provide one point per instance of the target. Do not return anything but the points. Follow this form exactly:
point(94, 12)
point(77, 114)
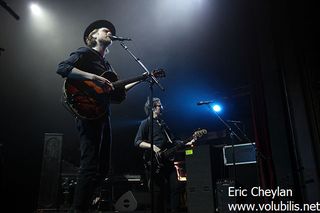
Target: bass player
point(167, 188)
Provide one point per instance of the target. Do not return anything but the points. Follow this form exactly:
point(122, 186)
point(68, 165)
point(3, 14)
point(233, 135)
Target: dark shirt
point(159, 137)
point(89, 60)
point(85, 59)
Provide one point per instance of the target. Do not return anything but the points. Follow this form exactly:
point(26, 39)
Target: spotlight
point(36, 10)
point(216, 108)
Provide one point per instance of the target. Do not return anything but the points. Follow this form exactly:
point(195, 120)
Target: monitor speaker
point(126, 202)
point(50, 171)
point(130, 193)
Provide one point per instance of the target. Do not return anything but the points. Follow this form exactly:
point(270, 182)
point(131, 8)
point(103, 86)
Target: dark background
point(208, 48)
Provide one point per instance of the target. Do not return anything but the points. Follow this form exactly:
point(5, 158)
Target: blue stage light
point(216, 107)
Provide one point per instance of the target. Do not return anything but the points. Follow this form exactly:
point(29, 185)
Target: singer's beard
point(105, 42)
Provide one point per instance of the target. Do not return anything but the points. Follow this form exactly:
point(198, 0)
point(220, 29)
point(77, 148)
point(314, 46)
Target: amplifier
point(243, 154)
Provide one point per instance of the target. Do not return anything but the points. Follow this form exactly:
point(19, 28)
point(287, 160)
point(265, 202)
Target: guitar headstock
point(199, 133)
point(158, 73)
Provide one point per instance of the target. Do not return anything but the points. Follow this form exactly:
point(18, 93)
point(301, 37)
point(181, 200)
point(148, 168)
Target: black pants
point(166, 189)
point(95, 146)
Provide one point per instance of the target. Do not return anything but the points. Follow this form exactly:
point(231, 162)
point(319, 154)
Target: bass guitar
point(88, 99)
point(166, 155)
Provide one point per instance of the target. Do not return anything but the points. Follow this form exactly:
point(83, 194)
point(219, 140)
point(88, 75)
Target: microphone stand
point(7, 8)
point(232, 134)
point(243, 134)
point(152, 80)
point(258, 153)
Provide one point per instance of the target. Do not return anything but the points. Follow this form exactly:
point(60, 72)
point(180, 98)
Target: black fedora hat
point(96, 25)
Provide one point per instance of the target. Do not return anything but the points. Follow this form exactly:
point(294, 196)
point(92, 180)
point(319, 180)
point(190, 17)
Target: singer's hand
point(103, 81)
point(191, 142)
point(156, 149)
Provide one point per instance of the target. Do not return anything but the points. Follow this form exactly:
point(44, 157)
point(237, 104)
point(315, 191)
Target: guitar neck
point(124, 82)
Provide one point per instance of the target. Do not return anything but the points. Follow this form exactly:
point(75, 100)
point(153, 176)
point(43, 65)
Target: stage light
point(35, 9)
point(216, 107)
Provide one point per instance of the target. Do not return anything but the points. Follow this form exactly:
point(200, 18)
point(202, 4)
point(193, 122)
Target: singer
point(88, 64)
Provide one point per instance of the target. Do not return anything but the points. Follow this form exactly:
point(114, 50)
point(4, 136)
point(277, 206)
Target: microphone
point(116, 38)
point(204, 102)
point(233, 121)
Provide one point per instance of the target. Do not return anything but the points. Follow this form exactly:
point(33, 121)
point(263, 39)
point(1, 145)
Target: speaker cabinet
point(246, 178)
point(208, 179)
point(200, 192)
point(222, 197)
point(246, 175)
point(50, 171)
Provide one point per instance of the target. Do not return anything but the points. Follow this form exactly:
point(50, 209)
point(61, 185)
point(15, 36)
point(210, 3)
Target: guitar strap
point(110, 67)
point(165, 131)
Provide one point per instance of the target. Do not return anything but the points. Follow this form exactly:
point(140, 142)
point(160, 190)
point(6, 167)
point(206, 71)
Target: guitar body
point(166, 156)
point(87, 99)
point(159, 162)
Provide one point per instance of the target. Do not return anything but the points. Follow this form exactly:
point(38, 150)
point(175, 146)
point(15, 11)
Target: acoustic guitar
point(88, 99)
